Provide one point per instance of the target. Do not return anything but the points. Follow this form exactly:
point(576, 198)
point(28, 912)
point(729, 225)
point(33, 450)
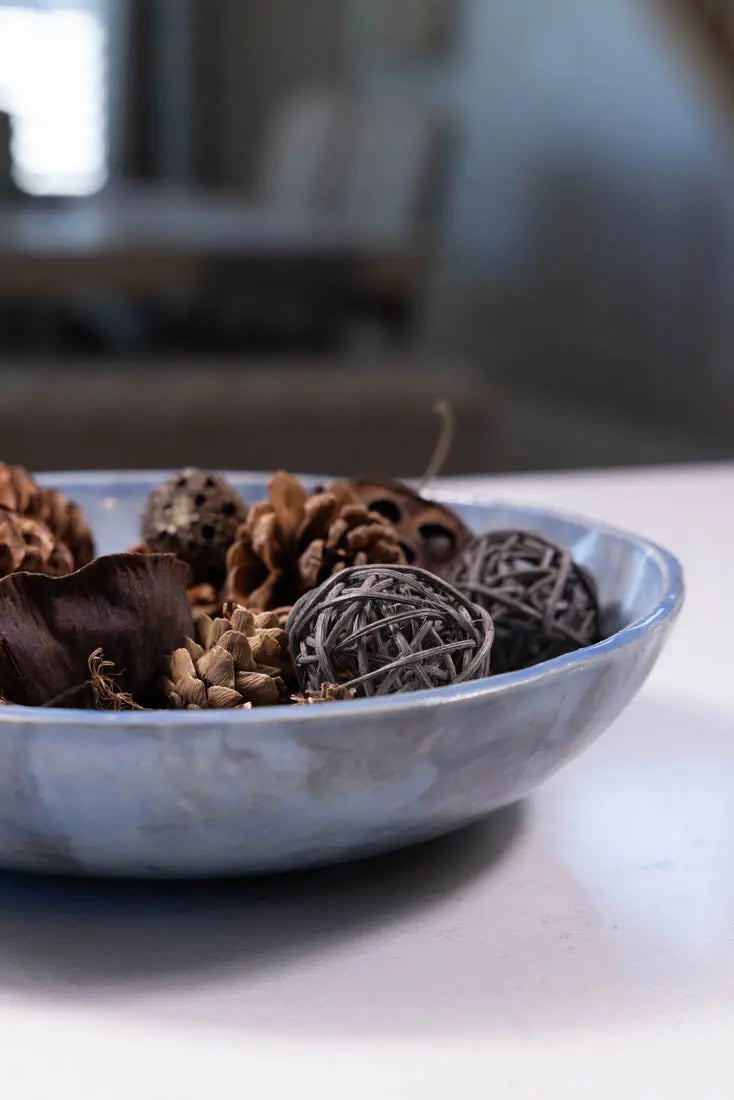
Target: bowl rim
point(666, 609)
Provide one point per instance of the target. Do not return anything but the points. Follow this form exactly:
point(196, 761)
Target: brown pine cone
point(329, 693)
point(240, 660)
point(66, 520)
point(20, 493)
point(295, 540)
point(18, 490)
point(28, 545)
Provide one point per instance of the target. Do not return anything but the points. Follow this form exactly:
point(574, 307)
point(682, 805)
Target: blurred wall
point(591, 234)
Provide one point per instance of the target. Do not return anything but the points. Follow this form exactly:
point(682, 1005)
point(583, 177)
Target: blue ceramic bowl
point(233, 792)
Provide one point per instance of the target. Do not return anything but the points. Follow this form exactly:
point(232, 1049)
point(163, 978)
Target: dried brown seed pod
point(195, 515)
point(327, 693)
point(431, 535)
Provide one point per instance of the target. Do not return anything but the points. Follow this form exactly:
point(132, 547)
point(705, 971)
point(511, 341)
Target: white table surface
point(581, 945)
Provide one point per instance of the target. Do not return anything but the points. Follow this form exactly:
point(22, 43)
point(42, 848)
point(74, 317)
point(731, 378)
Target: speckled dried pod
point(195, 515)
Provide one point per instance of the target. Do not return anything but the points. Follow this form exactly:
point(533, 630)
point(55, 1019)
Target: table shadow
point(609, 899)
point(77, 935)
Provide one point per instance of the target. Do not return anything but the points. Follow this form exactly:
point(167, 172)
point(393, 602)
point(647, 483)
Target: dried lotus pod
point(430, 533)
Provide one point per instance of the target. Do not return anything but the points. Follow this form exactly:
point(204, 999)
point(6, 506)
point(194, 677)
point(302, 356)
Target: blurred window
point(53, 84)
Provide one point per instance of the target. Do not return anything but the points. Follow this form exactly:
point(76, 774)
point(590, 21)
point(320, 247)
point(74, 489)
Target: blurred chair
point(379, 165)
point(300, 156)
point(369, 160)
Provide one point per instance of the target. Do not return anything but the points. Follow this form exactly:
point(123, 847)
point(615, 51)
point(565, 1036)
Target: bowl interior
point(629, 572)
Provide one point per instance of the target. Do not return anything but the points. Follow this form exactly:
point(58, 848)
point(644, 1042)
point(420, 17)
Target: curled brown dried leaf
point(134, 608)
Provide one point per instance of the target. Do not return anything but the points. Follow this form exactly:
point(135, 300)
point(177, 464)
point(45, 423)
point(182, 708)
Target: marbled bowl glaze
point(171, 794)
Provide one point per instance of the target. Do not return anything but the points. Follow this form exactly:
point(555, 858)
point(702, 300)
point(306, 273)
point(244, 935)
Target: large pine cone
point(20, 493)
point(295, 540)
point(240, 660)
point(66, 520)
point(18, 490)
point(28, 545)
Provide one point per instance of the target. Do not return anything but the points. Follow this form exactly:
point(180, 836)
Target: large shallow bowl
point(229, 792)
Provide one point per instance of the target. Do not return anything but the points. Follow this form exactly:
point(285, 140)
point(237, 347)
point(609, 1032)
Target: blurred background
point(263, 233)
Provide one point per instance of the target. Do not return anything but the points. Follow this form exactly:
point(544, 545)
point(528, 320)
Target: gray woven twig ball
point(382, 629)
point(195, 515)
point(542, 603)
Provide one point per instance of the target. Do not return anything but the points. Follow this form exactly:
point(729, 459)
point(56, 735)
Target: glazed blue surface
point(165, 793)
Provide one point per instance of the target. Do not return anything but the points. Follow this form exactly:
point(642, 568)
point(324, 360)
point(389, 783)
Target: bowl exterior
point(165, 794)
